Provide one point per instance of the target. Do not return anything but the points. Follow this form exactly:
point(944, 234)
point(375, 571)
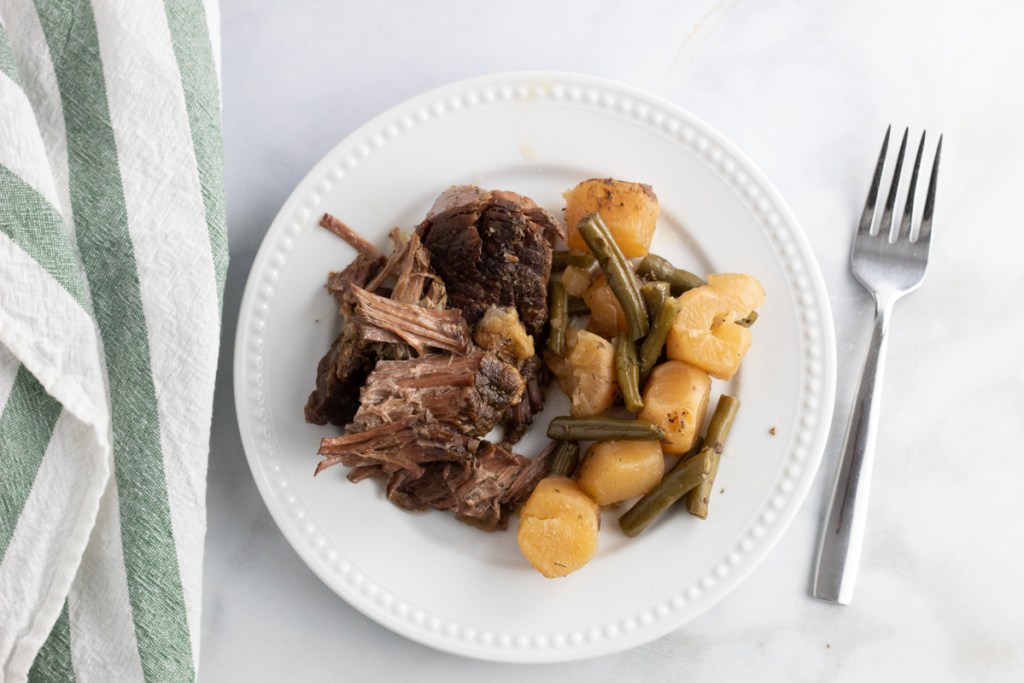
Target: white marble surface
point(805, 89)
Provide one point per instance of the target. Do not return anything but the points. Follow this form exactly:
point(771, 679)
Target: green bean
point(577, 306)
point(627, 371)
point(654, 342)
point(603, 429)
point(654, 295)
point(564, 459)
point(560, 259)
point(559, 320)
point(617, 271)
point(749, 320)
point(718, 429)
point(655, 267)
point(692, 469)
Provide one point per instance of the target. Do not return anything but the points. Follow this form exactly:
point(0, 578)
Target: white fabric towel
point(112, 260)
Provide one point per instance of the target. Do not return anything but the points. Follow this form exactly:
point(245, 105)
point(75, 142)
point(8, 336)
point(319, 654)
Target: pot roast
point(412, 386)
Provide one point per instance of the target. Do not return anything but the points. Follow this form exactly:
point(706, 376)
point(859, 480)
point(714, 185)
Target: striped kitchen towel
point(112, 260)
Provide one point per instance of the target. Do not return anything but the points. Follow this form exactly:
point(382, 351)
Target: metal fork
point(889, 266)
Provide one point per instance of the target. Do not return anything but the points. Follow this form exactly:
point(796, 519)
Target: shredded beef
point(430, 465)
point(355, 352)
point(483, 491)
point(467, 393)
point(404, 378)
point(346, 233)
point(386, 320)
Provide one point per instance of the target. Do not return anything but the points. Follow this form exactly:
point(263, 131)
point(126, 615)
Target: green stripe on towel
point(194, 54)
point(26, 425)
point(53, 663)
point(7, 63)
point(98, 206)
point(35, 225)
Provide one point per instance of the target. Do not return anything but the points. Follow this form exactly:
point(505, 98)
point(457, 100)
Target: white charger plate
point(453, 587)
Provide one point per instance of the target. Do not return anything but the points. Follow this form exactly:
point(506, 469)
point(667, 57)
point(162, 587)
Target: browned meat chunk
point(492, 248)
point(344, 368)
point(340, 373)
point(518, 418)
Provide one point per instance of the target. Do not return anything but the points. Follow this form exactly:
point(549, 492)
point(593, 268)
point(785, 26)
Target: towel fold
point(112, 260)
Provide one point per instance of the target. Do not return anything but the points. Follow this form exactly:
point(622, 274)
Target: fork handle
point(843, 534)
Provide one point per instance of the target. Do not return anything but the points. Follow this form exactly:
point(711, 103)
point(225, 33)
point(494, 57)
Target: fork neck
point(884, 302)
point(880, 329)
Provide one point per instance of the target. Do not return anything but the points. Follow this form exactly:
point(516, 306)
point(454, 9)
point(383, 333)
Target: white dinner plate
point(453, 587)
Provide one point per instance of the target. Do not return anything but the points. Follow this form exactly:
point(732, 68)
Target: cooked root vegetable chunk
point(606, 316)
point(676, 399)
point(613, 471)
point(586, 373)
point(558, 527)
point(501, 332)
point(707, 332)
point(629, 209)
point(576, 280)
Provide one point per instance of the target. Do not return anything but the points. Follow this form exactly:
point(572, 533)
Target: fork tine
point(885, 226)
point(908, 206)
point(925, 233)
point(869, 208)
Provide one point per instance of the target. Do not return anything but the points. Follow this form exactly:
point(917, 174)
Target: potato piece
point(586, 373)
point(676, 398)
point(501, 332)
point(705, 332)
point(576, 280)
point(606, 316)
point(613, 471)
point(629, 209)
point(558, 527)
